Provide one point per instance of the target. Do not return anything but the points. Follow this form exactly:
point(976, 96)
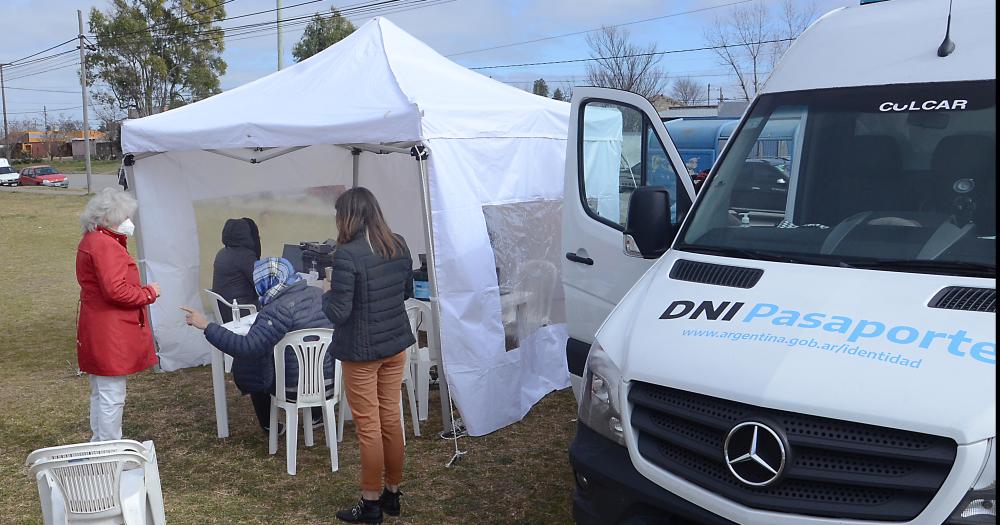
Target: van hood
point(858, 345)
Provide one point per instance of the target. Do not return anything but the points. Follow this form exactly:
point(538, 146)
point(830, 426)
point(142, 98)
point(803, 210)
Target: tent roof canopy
point(378, 85)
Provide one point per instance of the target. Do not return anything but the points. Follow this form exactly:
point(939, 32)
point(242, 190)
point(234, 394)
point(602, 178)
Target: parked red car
point(43, 176)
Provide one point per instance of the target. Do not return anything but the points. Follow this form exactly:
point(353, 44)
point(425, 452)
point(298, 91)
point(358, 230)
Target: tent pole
point(140, 251)
point(434, 336)
point(356, 165)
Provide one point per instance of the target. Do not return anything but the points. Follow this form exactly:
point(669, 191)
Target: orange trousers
point(373, 392)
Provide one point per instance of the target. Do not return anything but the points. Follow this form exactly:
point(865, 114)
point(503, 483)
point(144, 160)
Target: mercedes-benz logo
point(755, 454)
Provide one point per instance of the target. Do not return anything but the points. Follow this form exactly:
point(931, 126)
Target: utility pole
point(48, 140)
point(86, 98)
point(709, 99)
point(281, 46)
point(3, 95)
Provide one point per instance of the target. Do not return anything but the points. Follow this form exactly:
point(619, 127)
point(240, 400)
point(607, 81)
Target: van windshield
point(896, 178)
point(4, 170)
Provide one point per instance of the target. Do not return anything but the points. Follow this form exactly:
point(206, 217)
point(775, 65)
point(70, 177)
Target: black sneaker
point(390, 502)
point(363, 511)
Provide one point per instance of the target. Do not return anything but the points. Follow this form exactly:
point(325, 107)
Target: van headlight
point(980, 504)
point(599, 408)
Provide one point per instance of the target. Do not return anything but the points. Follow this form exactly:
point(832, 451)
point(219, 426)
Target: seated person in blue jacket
point(287, 304)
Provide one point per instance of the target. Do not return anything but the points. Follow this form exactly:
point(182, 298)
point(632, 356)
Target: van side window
point(610, 159)
point(620, 152)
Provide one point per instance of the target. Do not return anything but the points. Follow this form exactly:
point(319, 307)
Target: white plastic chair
point(310, 348)
point(238, 309)
point(537, 281)
point(421, 357)
point(102, 482)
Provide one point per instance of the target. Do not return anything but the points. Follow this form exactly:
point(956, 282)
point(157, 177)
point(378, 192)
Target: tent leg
point(434, 336)
point(356, 162)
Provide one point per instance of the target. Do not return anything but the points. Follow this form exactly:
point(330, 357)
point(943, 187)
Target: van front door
point(616, 144)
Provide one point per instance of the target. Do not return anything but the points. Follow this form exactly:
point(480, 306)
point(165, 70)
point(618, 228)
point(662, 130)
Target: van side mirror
point(649, 229)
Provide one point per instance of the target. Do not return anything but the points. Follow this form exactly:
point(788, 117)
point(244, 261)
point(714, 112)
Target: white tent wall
point(465, 175)
point(395, 180)
point(169, 185)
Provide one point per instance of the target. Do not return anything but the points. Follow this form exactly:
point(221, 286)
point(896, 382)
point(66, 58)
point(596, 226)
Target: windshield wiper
point(968, 269)
point(763, 255)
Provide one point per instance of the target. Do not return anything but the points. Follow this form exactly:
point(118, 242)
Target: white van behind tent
point(826, 352)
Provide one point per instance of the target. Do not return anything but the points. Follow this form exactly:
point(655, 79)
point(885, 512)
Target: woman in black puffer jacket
point(372, 276)
point(289, 304)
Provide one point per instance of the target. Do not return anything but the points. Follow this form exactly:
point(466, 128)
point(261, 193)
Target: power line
point(49, 89)
point(43, 59)
point(564, 35)
point(149, 29)
point(634, 55)
point(352, 12)
point(43, 111)
point(43, 51)
point(74, 63)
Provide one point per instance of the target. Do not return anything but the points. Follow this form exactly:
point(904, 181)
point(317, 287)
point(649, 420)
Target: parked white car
point(8, 177)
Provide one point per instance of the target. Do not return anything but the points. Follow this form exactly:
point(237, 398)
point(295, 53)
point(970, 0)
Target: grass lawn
point(68, 165)
point(517, 475)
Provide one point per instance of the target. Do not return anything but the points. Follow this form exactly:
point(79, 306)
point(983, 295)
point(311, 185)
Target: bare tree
point(620, 64)
point(750, 39)
point(567, 90)
point(796, 16)
point(687, 91)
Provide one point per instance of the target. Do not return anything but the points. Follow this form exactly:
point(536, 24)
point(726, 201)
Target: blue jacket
point(297, 308)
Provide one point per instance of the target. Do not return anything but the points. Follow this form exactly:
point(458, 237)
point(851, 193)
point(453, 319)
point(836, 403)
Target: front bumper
point(615, 492)
point(63, 184)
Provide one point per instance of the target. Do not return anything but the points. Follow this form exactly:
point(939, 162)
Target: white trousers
point(107, 401)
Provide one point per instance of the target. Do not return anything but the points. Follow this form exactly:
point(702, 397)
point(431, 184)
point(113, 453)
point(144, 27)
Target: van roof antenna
point(947, 46)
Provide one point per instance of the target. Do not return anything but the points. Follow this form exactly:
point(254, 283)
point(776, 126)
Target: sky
point(452, 27)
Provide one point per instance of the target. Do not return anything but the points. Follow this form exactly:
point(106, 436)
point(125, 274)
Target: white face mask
point(126, 228)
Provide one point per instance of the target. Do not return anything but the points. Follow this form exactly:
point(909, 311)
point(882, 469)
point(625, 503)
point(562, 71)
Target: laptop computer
point(293, 253)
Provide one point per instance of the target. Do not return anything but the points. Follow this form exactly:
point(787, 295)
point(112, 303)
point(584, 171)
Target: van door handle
point(579, 259)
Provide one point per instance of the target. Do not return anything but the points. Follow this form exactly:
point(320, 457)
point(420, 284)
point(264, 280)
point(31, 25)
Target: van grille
point(965, 298)
point(708, 273)
point(835, 468)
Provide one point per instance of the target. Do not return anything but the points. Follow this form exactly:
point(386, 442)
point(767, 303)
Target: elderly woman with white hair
point(113, 334)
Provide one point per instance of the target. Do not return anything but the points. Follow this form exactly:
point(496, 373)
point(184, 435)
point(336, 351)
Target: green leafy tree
point(540, 88)
point(558, 95)
point(156, 54)
point(321, 33)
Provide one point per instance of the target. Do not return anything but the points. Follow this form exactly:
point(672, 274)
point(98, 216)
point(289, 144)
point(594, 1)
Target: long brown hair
point(358, 211)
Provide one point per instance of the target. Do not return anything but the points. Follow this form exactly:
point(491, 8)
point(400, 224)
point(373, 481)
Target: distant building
point(100, 145)
point(732, 109)
point(38, 144)
point(663, 102)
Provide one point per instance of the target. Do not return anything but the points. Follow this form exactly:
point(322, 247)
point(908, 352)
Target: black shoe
point(390, 502)
point(317, 421)
point(363, 511)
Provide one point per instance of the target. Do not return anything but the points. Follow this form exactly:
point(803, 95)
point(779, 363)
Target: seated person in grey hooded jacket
point(288, 304)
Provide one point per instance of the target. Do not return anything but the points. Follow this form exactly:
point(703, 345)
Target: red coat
point(113, 336)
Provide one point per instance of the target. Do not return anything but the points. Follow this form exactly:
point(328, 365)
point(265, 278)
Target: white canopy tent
point(488, 189)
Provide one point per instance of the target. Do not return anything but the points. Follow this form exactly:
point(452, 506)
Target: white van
point(818, 351)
